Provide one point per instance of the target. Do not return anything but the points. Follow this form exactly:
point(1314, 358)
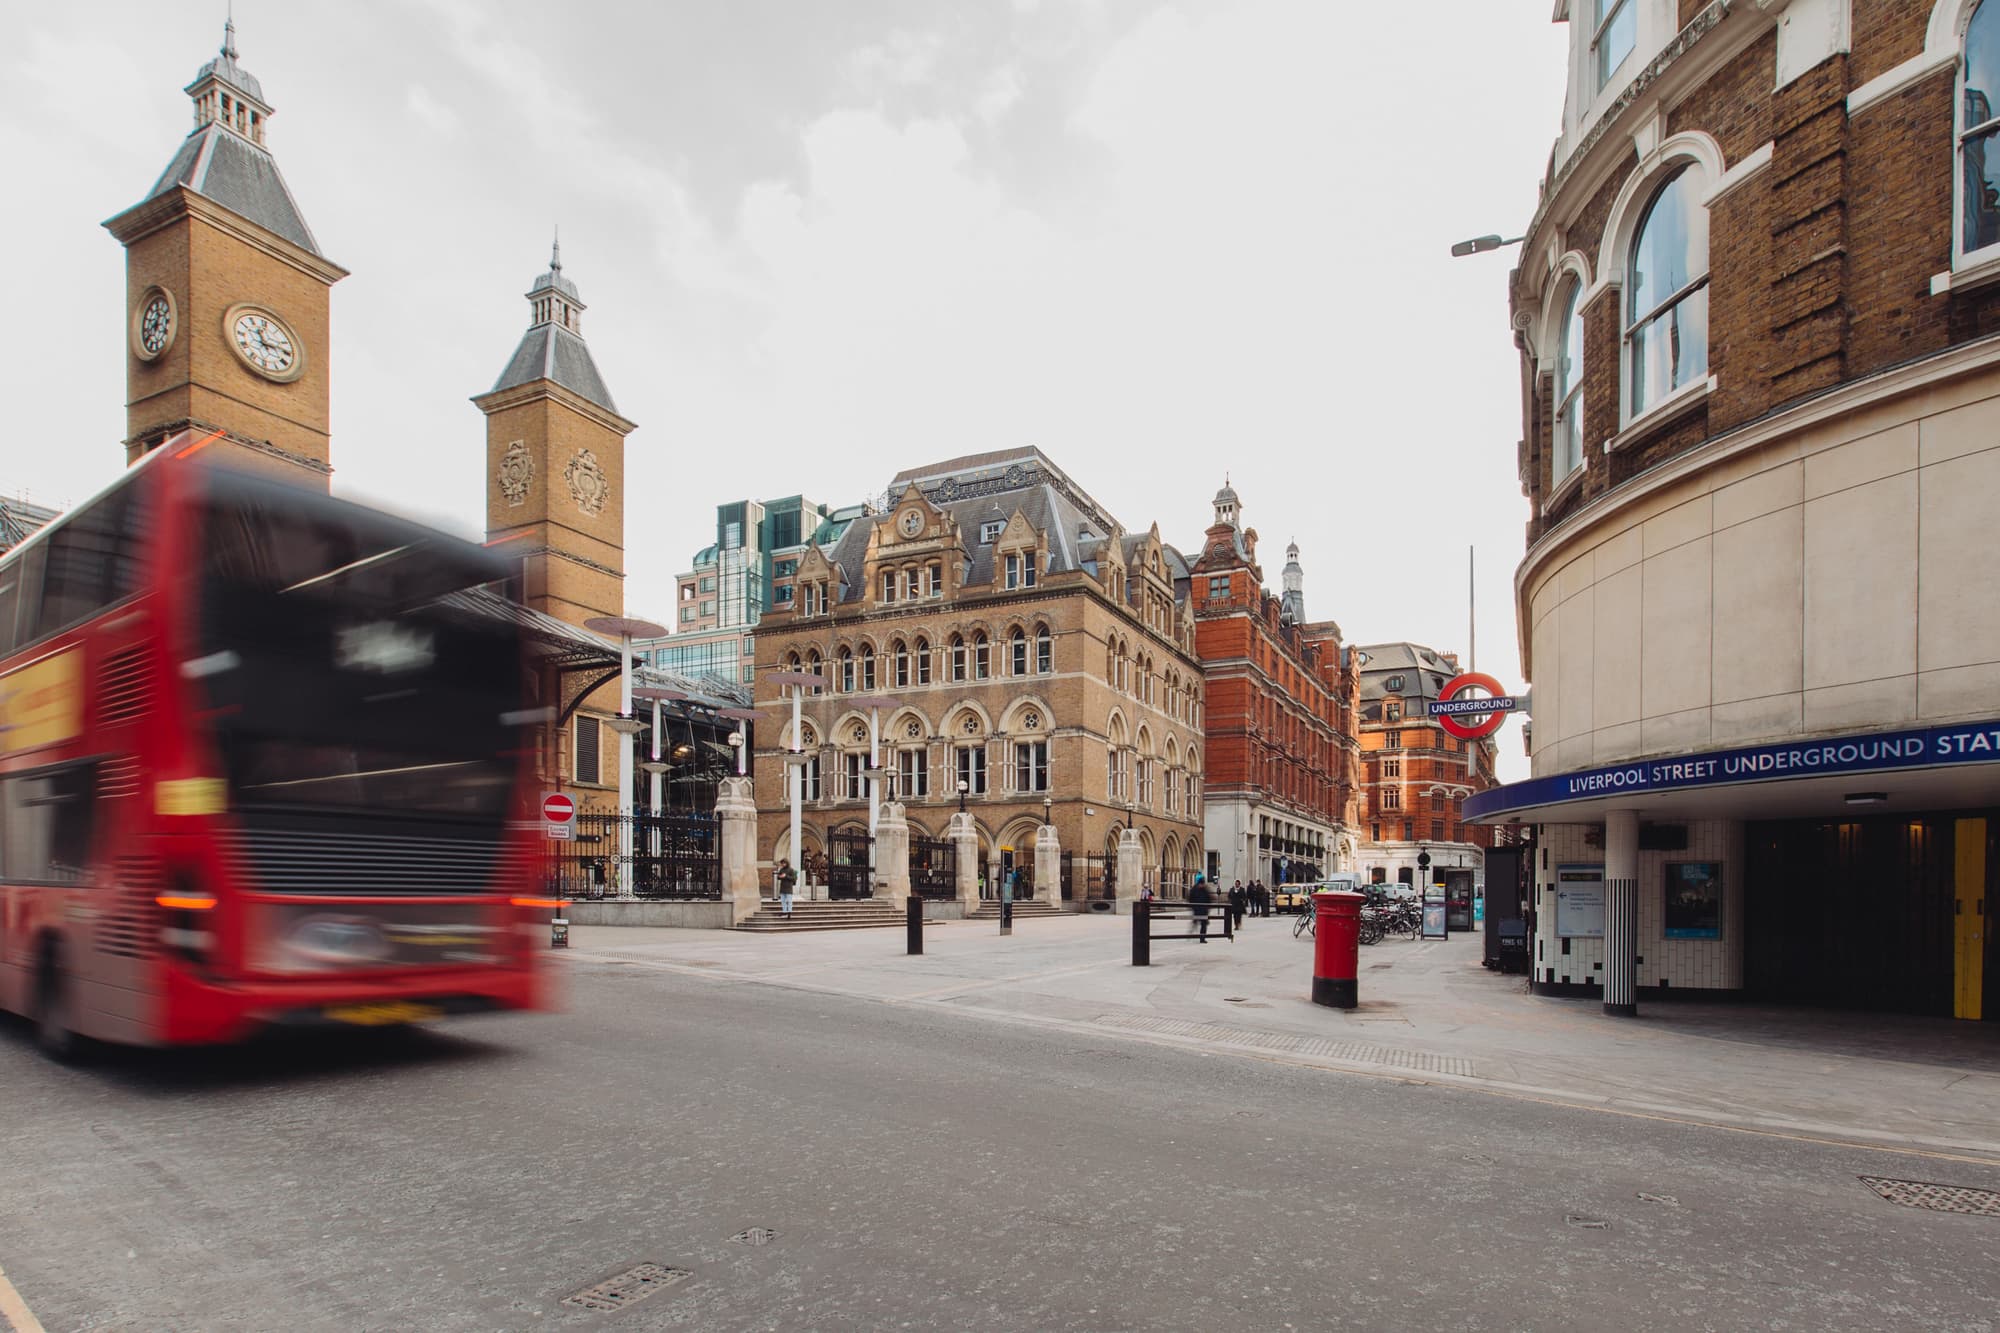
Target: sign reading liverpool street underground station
point(1453, 703)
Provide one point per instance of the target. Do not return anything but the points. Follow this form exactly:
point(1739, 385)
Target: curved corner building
point(1758, 310)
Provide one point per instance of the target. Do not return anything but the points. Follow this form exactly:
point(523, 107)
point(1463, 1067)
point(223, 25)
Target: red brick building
point(1415, 777)
point(1280, 727)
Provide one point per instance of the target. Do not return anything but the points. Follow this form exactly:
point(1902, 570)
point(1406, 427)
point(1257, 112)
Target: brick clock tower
point(555, 462)
point(227, 293)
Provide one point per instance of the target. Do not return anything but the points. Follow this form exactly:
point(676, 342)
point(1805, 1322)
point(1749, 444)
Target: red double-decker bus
point(262, 762)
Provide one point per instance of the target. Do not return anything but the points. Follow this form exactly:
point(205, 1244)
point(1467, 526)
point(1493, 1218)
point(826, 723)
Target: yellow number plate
point(384, 1013)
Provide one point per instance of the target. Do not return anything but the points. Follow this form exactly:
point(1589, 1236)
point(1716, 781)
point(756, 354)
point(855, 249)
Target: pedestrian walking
point(1263, 897)
point(1200, 897)
point(1237, 905)
point(788, 880)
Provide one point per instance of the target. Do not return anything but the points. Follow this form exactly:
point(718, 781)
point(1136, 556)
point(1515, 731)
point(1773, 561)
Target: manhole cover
point(754, 1236)
point(1938, 1198)
point(1587, 1223)
point(629, 1287)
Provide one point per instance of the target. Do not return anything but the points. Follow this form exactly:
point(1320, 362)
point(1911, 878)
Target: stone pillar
point(1131, 869)
point(965, 847)
point(1048, 867)
point(736, 812)
point(1621, 912)
point(892, 853)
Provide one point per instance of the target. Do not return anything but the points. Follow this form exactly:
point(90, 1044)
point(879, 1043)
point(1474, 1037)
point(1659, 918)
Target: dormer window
point(1394, 684)
point(990, 532)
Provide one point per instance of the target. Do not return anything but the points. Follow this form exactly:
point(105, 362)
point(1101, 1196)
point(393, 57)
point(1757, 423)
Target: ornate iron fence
point(933, 869)
point(672, 856)
point(847, 873)
point(1088, 876)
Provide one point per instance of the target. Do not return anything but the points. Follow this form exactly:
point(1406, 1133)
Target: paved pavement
point(1428, 1011)
point(1002, 1134)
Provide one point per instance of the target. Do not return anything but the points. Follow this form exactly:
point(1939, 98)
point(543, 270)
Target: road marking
point(19, 1317)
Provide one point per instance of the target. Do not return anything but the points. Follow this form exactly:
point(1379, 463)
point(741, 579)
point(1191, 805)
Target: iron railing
point(675, 857)
point(847, 872)
point(1088, 876)
point(933, 869)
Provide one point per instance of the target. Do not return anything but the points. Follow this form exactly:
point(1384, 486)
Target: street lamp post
point(874, 703)
point(963, 787)
point(627, 629)
point(1481, 244)
point(736, 740)
point(798, 682)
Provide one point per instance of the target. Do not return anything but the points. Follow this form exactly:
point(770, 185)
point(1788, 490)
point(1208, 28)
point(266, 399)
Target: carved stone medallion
point(588, 485)
point(517, 470)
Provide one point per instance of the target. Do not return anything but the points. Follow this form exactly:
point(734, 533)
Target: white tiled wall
point(1683, 964)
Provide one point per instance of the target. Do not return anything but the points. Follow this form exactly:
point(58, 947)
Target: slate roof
point(1424, 673)
point(220, 164)
point(549, 351)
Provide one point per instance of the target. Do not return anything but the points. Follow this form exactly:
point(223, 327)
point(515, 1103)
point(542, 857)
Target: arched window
point(1044, 651)
point(899, 653)
point(868, 667)
point(792, 661)
point(888, 585)
point(1017, 656)
point(1666, 293)
point(923, 653)
point(813, 664)
point(846, 671)
point(1569, 385)
point(957, 657)
point(981, 659)
point(1979, 132)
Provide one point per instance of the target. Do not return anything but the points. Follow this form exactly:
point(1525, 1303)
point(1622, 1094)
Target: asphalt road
point(922, 1169)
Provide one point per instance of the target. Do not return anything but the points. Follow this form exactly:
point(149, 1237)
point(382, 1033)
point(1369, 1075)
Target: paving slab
point(1428, 1012)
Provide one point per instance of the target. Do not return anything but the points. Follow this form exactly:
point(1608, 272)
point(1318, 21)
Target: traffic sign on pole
point(558, 816)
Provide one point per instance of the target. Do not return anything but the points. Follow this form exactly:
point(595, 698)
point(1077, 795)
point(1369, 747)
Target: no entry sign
point(1493, 706)
point(558, 814)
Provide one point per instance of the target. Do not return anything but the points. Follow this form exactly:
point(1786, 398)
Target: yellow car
point(1291, 897)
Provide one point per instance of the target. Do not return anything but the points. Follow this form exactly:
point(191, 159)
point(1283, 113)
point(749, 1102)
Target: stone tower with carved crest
point(227, 293)
point(555, 461)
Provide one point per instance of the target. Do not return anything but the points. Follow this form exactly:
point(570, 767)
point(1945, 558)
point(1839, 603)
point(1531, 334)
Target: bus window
point(48, 824)
point(91, 562)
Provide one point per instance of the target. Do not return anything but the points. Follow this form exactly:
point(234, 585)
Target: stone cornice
point(164, 210)
point(535, 390)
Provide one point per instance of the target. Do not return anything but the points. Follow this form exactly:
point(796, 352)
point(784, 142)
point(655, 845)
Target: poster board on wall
point(1580, 902)
point(1692, 907)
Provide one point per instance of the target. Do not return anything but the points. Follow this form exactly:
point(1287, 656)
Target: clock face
point(913, 523)
point(156, 325)
point(264, 343)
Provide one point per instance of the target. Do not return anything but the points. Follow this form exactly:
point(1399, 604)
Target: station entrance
point(1891, 913)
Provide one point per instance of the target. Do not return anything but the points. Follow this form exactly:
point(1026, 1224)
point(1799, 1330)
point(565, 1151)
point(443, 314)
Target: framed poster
point(1580, 902)
point(1693, 907)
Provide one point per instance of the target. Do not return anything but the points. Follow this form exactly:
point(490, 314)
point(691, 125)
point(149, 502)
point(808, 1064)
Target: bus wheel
point(53, 1033)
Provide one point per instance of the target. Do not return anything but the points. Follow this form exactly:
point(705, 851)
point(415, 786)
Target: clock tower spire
point(227, 291)
point(555, 460)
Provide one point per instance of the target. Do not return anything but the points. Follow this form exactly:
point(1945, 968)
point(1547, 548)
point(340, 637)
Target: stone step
point(990, 911)
point(863, 914)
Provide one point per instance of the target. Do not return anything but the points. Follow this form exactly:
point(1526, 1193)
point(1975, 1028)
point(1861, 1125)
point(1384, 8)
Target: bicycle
point(1304, 925)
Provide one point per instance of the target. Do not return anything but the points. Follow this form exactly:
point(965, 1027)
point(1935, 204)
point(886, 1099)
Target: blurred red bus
point(253, 771)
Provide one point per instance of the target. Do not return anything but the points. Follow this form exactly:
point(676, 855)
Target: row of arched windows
point(1139, 678)
point(913, 662)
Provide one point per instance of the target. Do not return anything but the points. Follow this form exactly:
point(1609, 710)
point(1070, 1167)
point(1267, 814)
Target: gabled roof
point(243, 177)
point(551, 352)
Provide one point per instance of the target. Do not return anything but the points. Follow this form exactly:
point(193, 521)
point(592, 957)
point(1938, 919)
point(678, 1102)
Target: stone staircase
point(861, 914)
point(988, 910)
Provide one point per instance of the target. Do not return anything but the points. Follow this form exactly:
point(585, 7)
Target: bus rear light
point(555, 904)
point(184, 902)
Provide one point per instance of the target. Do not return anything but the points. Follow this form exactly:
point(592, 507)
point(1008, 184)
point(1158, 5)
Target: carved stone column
point(892, 853)
point(965, 846)
point(1048, 867)
point(737, 813)
point(1131, 869)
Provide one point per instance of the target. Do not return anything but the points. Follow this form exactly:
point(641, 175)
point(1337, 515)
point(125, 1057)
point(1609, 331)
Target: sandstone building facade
point(1037, 651)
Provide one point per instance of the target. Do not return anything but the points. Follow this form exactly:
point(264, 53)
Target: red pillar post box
point(1336, 948)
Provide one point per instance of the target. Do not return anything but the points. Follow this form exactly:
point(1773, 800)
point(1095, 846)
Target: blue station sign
point(1869, 752)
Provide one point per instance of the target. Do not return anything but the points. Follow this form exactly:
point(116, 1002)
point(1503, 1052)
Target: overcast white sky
point(824, 240)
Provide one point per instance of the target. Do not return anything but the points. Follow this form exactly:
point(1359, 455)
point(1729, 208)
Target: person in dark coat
point(1238, 904)
point(1201, 896)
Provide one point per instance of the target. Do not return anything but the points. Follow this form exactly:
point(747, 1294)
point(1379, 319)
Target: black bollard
point(1142, 933)
point(1228, 921)
point(1006, 916)
point(913, 922)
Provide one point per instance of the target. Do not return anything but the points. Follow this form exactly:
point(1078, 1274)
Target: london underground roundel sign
point(1452, 704)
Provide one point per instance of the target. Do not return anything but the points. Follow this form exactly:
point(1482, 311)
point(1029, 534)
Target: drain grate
point(754, 1236)
point(628, 1288)
point(1587, 1223)
point(1937, 1198)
